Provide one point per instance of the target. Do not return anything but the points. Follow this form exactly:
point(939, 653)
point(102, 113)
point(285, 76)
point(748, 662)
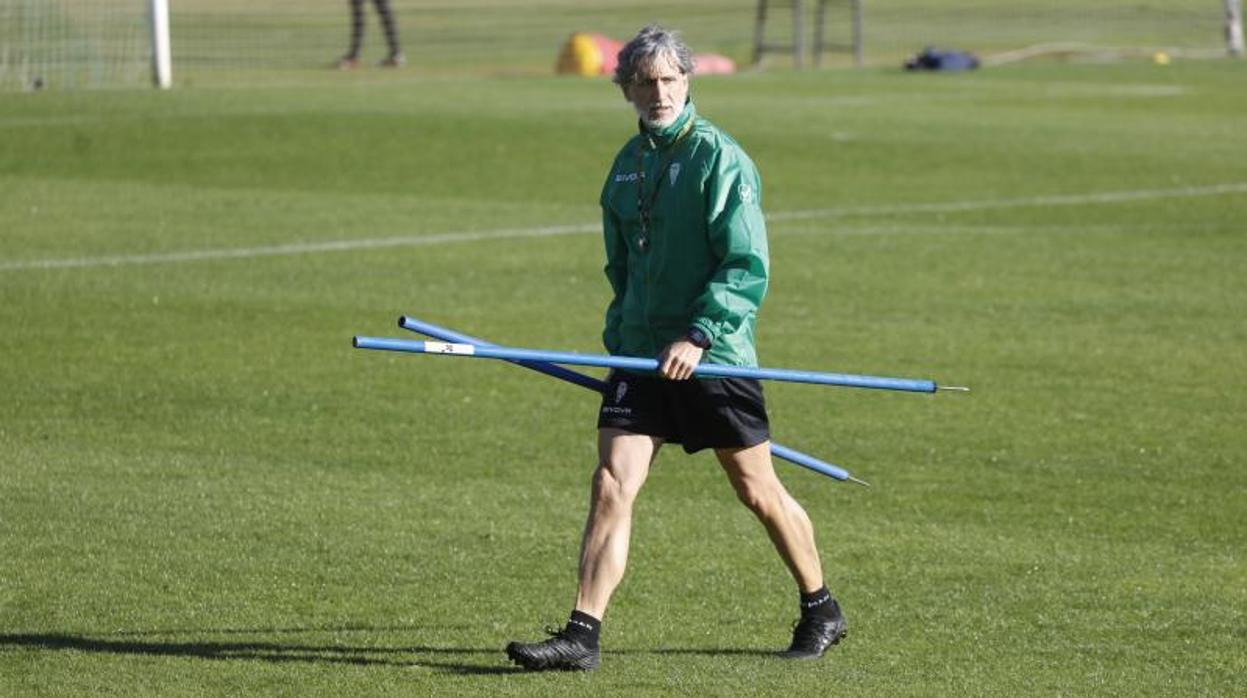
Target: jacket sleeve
point(737, 235)
point(617, 273)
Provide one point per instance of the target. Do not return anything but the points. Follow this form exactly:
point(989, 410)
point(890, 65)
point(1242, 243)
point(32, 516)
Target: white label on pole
point(447, 348)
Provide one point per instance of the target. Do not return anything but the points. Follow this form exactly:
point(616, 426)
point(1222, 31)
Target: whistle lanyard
point(643, 204)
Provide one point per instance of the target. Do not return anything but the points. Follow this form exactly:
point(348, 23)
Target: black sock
point(818, 604)
point(583, 628)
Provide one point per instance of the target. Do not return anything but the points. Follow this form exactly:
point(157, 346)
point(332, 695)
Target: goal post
point(1234, 27)
point(162, 53)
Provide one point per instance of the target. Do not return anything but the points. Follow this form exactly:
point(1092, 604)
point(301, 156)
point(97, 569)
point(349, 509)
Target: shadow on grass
point(274, 652)
point(282, 652)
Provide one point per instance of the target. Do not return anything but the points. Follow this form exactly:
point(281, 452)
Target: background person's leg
point(357, 34)
point(395, 57)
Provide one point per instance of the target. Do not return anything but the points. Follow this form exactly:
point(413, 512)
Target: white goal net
point(70, 44)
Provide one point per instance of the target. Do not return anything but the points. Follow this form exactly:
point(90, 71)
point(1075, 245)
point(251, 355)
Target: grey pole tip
point(954, 388)
point(863, 483)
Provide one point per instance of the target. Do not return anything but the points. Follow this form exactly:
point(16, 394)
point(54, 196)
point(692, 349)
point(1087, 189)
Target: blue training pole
point(791, 455)
point(633, 363)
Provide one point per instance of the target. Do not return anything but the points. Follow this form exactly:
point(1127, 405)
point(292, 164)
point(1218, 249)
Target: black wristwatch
point(698, 338)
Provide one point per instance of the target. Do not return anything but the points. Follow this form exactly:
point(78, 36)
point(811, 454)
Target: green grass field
point(224, 41)
point(205, 490)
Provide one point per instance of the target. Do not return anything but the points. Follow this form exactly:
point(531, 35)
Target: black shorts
point(696, 413)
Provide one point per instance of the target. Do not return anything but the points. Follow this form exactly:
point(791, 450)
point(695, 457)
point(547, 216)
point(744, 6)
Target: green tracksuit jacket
point(704, 260)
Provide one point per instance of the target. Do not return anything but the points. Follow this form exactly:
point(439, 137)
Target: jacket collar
point(663, 138)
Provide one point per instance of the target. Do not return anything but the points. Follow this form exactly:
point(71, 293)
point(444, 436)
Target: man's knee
point(753, 477)
point(760, 495)
point(612, 487)
point(623, 464)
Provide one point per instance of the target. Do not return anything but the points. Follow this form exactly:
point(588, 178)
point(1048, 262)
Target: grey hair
point(649, 44)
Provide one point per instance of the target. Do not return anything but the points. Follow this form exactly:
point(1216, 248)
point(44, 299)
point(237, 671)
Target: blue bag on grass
point(935, 59)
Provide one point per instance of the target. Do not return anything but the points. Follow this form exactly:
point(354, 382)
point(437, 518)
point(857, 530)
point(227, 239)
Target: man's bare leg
point(623, 465)
point(752, 475)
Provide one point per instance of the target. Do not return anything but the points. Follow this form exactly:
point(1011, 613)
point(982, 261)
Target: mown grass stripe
point(299, 248)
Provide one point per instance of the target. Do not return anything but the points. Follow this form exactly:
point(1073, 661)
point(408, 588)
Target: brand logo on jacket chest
point(673, 173)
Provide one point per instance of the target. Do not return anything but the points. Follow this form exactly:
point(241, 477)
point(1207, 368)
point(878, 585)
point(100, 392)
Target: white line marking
point(297, 248)
point(1112, 197)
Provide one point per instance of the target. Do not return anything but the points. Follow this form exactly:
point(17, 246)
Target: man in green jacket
point(686, 256)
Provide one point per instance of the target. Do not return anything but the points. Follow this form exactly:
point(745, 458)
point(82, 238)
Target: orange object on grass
point(591, 54)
